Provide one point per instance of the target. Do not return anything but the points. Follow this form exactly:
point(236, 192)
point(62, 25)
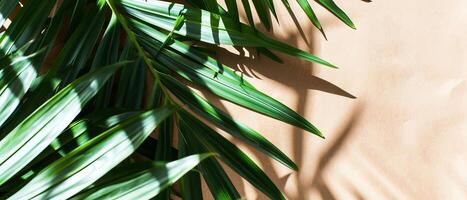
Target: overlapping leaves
point(77, 117)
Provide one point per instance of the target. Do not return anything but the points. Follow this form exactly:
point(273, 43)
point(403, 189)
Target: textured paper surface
point(402, 137)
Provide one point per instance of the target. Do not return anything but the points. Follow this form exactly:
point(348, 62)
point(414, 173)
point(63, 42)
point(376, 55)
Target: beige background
point(403, 136)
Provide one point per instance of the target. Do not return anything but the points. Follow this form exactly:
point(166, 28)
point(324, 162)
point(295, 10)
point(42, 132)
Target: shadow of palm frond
point(300, 78)
point(330, 153)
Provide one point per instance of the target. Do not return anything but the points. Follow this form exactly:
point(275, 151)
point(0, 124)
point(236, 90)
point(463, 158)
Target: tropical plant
point(84, 84)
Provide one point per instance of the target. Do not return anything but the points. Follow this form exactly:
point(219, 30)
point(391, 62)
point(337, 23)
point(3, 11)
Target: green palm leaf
point(193, 129)
point(141, 180)
point(38, 130)
point(201, 107)
point(16, 76)
point(86, 164)
point(207, 27)
point(216, 178)
point(76, 124)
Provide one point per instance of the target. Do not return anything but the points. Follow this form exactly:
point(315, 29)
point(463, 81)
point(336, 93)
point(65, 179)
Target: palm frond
point(85, 86)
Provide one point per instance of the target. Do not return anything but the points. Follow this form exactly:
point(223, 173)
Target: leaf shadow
point(299, 77)
point(318, 182)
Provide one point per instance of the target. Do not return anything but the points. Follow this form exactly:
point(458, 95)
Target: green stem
point(141, 52)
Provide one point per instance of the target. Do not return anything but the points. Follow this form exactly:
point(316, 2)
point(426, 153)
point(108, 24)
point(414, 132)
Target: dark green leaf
point(311, 15)
point(217, 180)
point(228, 153)
point(334, 9)
point(233, 91)
point(201, 107)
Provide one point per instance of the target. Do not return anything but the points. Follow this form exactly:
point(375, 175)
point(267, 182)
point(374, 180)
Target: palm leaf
point(16, 76)
point(83, 166)
point(201, 107)
point(207, 27)
point(216, 178)
point(72, 124)
point(193, 129)
point(38, 130)
point(141, 180)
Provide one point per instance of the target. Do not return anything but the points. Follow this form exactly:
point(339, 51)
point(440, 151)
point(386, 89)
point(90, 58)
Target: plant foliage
point(85, 83)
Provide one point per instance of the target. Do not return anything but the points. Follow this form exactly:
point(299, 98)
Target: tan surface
point(403, 137)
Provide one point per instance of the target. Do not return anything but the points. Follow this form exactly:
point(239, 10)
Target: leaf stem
point(132, 37)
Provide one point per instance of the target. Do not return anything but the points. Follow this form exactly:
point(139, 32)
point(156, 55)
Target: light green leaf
point(40, 128)
point(74, 53)
point(16, 76)
point(207, 27)
point(86, 164)
point(141, 180)
point(163, 149)
point(78, 133)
